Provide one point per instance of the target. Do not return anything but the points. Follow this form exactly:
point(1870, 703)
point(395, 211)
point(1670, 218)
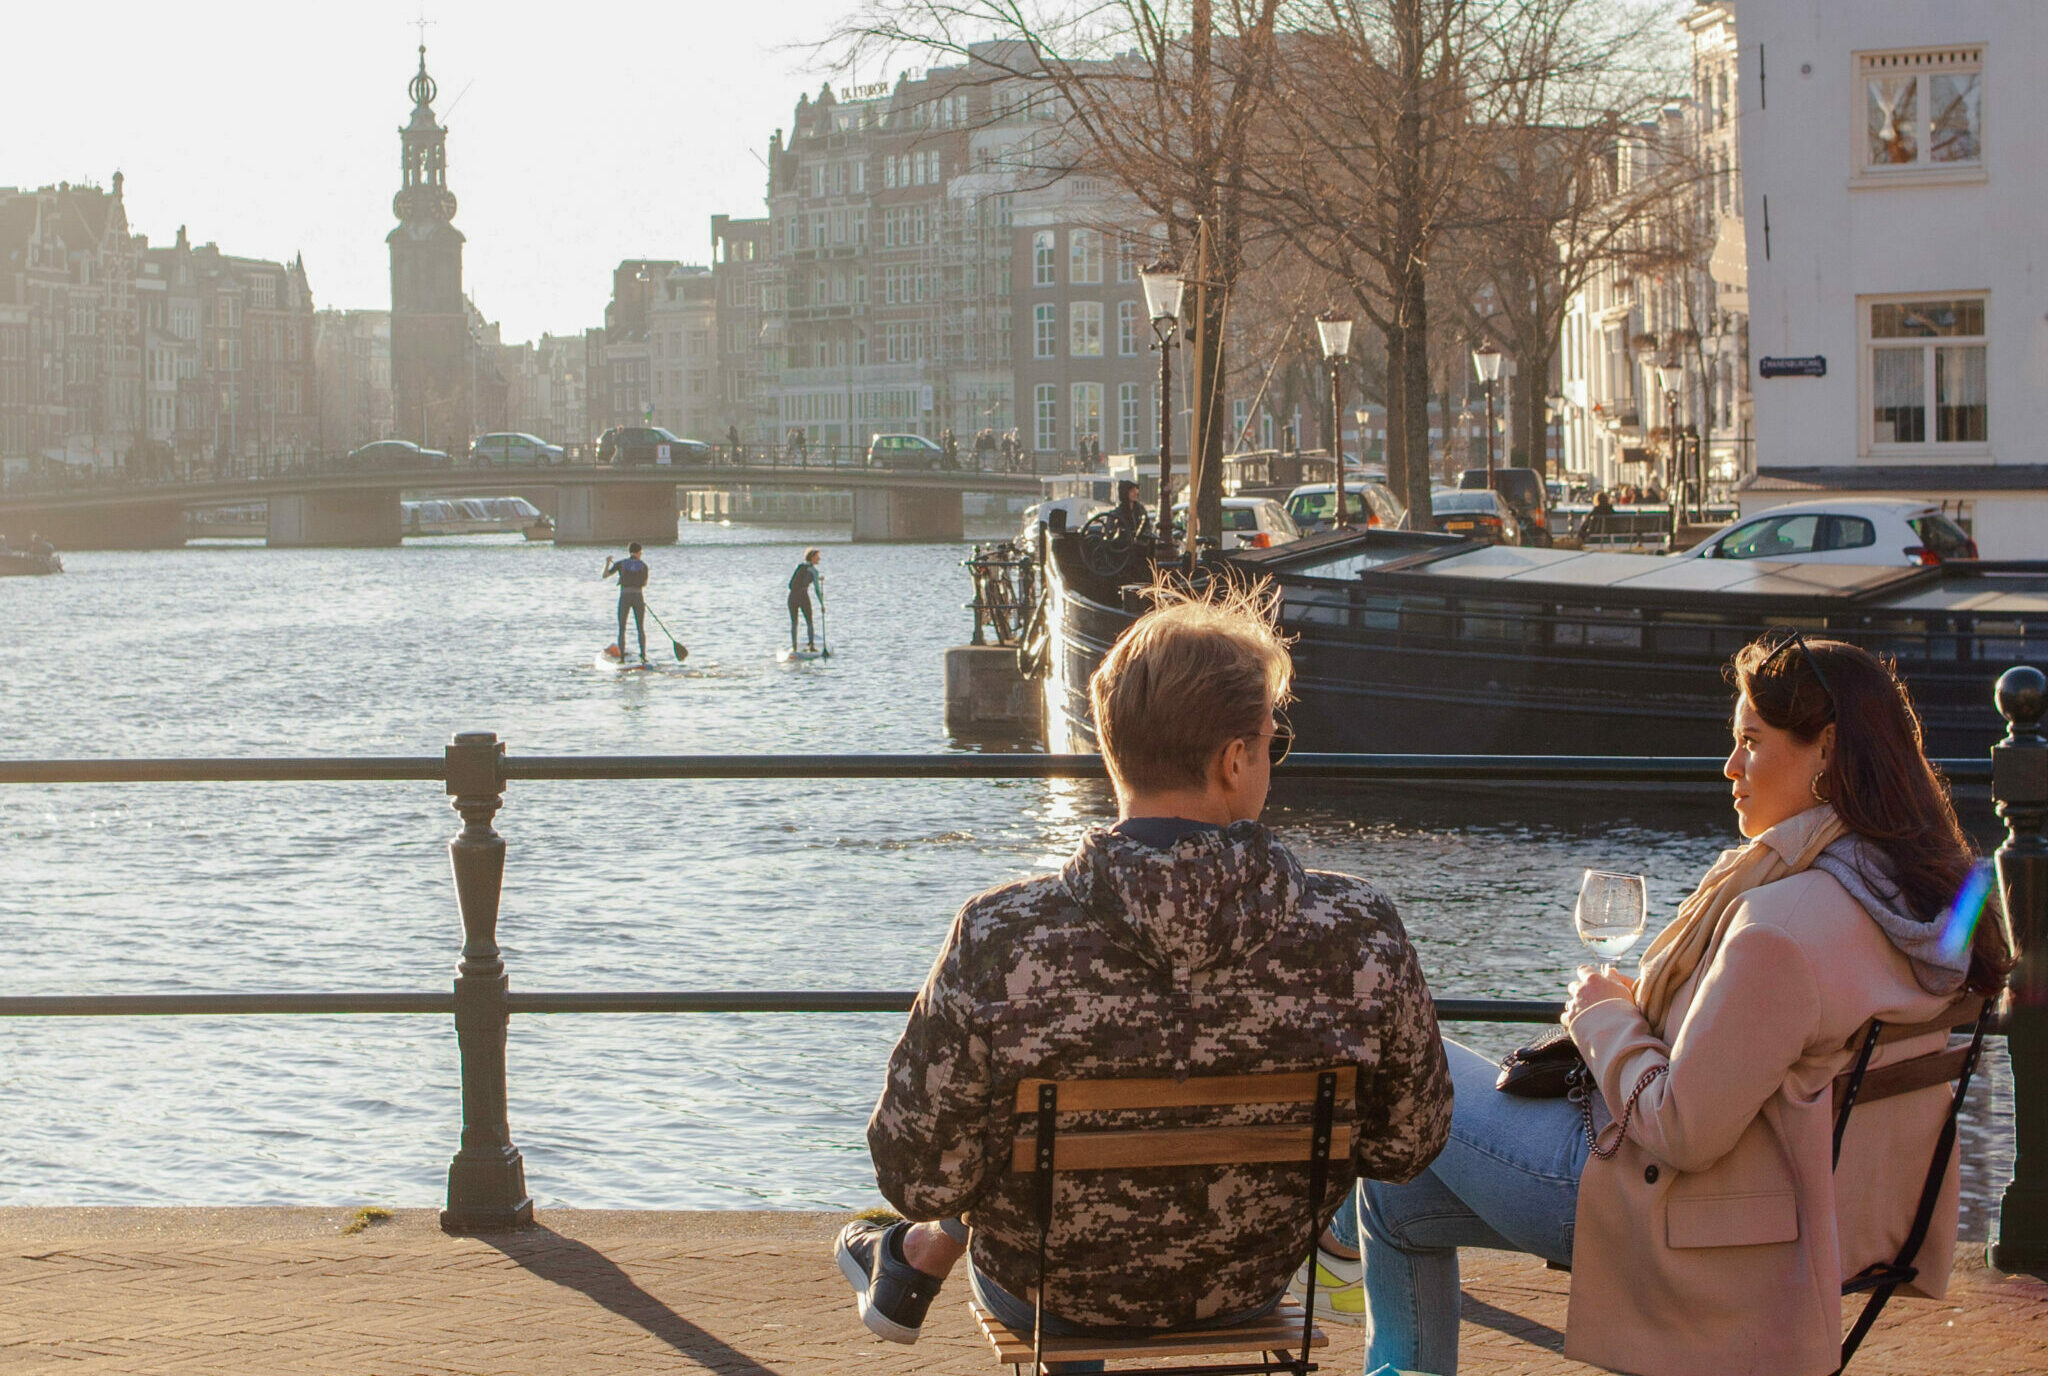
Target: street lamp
point(1672, 376)
point(1163, 286)
point(1486, 359)
point(1335, 333)
point(1554, 405)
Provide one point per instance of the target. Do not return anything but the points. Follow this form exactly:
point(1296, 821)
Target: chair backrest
point(1050, 1149)
point(1077, 1149)
point(1860, 1085)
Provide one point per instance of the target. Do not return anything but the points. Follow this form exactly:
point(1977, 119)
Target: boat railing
point(486, 1180)
point(1485, 615)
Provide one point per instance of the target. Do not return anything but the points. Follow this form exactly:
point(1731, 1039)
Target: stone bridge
point(590, 505)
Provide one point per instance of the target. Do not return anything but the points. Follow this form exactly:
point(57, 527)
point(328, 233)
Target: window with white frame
point(1084, 329)
point(1044, 330)
point(1127, 250)
point(1130, 420)
point(1084, 257)
point(1041, 258)
point(1045, 416)
point(1087, 412)
point(1925, 373)
point(1921, 110)
point(1129, 323)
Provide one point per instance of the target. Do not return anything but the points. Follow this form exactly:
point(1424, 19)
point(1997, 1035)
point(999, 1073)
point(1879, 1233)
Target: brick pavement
point(223, 1292)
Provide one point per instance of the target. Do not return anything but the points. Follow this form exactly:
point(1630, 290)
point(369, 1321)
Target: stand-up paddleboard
point(609, 661)
point(800, 656)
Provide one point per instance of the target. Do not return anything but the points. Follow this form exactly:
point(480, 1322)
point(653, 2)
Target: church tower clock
point(432, 372)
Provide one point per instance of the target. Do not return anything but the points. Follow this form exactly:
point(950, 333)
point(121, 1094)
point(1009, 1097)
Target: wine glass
point(1609, 915)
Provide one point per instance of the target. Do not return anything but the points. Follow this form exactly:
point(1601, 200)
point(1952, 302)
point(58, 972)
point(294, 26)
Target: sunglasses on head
point(1792, 638)
point(1280, 740)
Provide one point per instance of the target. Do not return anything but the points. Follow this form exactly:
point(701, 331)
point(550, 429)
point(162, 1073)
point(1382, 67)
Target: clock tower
point(432, 371)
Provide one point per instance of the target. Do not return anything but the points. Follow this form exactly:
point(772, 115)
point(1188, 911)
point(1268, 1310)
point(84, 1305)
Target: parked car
point(905, 451)
point(497, 451)
point(632, 446)
point(1481, 515)
point(1249, 523)
point(1526, 494)
point(1313, 506)
point(1843, 532)
point(393, 456)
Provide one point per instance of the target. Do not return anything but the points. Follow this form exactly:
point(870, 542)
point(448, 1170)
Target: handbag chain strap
point(1582, 1093)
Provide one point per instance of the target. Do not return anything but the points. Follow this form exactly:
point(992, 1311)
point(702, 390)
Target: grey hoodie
point(1863, 870)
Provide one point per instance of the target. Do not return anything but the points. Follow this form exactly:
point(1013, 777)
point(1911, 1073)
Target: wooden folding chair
point(1862, 1085)
point(1049, 1150)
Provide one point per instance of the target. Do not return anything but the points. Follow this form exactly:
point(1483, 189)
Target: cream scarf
point(1702, 921)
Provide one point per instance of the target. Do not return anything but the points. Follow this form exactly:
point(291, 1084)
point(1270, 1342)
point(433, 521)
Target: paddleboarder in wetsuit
point(632, 573)
point(801, 582)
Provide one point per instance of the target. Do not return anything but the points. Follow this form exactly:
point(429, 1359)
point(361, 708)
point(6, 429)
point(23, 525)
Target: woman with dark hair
point(1695, 1196)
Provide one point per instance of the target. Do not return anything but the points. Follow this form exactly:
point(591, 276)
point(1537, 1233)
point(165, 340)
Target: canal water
point(241, 650)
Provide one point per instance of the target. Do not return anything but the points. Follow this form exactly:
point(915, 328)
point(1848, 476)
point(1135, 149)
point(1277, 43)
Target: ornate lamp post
point(1163, 287)
point(1334, 332)
point(1672, 377)
point(1486, 359)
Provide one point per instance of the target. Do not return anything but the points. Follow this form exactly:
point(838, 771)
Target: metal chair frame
point(1882, 1278)
point(1045, 1117)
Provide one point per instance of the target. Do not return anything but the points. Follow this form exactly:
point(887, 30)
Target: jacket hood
point(1863, 870)
point(1212, 899)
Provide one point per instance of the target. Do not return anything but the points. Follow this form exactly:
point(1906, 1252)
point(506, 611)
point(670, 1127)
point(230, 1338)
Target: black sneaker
point(892, 1294)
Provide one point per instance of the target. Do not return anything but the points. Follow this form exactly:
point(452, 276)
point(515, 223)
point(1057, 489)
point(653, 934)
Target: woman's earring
point(1814, 787)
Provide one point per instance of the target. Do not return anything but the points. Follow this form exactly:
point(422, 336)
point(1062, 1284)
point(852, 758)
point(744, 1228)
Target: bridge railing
point(64, 480)
point(486, 1179)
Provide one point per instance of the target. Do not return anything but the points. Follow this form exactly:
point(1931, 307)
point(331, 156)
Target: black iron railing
point(486, 1180)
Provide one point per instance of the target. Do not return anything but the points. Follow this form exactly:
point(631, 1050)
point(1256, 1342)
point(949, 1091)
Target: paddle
point(674, 644)
point(824, 638)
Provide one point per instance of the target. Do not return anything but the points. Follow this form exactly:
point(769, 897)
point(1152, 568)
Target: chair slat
point(1890, 1081)
point(1277, 1331)
point(1094, 1151)
point(1961, 1013)
point(1202, 1091)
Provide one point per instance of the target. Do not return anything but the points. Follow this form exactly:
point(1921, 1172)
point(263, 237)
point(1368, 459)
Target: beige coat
point(1714, 1243)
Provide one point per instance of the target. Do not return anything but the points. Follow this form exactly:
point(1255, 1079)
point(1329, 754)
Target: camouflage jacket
point(1221, 956)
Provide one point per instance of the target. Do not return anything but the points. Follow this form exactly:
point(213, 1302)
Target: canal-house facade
point(1895, 188)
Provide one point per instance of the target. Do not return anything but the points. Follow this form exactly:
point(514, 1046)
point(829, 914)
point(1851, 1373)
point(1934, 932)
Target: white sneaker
point(1340, 1287)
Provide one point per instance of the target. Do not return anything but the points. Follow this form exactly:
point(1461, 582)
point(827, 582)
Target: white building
point(1678, 291)
point(1895, 187)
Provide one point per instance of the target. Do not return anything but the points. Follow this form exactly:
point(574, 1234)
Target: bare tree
point(1545, 205)
point(1157, 96)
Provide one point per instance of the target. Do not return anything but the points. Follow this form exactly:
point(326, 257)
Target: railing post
point(2019, 784)
point(487, 1179)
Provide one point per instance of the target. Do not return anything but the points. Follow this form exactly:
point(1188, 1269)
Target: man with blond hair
point(1182, 941)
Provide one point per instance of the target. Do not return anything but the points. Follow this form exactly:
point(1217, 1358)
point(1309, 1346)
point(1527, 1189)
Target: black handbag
point(1547, 1068)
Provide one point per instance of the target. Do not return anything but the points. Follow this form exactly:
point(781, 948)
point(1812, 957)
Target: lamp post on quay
point(1486, 360)
point(1335, 333)
point(1672, 377)
point(1553, 415)
point(1163, 287)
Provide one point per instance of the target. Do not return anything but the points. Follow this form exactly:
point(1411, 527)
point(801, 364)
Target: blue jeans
point(1508, 1179)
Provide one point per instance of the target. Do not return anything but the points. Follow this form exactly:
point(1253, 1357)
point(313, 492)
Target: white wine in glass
point(1610, 912)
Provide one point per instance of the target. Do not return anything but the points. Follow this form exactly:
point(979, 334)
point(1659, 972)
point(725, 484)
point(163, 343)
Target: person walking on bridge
point(801, 582)
point(632, 575)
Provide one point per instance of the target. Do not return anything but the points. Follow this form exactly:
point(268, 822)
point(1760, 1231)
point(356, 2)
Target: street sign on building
point(1812, 365)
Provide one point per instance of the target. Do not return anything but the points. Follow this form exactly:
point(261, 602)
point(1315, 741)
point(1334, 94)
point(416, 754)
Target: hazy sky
point(579, 133)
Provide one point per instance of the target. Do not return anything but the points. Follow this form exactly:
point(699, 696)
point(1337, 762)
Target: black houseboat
point(1414, 643)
